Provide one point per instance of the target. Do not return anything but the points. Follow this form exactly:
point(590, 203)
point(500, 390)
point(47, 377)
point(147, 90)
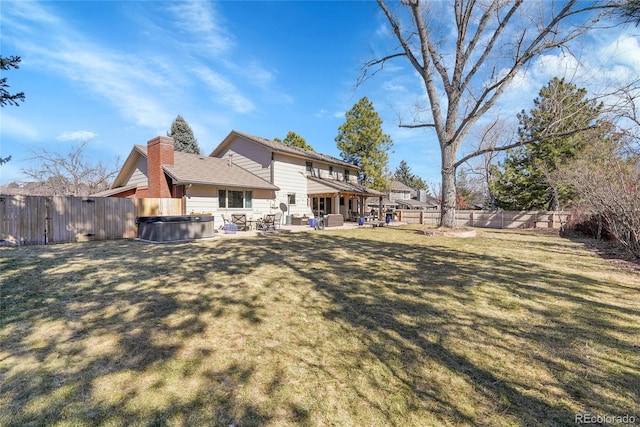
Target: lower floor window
point(235, 199)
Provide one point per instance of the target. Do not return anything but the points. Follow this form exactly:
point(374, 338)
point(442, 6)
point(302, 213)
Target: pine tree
point(524, 183)
point(183, 138)
point(294, 140)
point(404, 175)
point(363, 143)
point(5, 96)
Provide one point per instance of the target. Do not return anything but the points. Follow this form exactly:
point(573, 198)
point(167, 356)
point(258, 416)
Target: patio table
point(253, 223)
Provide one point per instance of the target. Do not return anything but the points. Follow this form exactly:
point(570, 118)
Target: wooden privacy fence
point(40, 220)
point(489, 219)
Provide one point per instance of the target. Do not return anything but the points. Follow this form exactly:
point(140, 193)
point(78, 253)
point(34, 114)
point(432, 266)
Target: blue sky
point(117, 73)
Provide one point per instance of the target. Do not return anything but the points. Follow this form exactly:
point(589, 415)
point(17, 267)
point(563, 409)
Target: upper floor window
point(309, 167)
point(331, 171)
point(346, 175)
point(292, 198)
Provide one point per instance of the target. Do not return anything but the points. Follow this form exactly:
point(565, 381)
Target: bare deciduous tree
point(606, 177)
point(482, 169)
point(70, 173)
point(467, 69)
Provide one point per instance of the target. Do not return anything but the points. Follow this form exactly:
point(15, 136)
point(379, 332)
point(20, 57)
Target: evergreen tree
point(363, 143)
point(294, 140)
point(183, 137)
point(404, 175)
point(5, 96)
point(524, 183)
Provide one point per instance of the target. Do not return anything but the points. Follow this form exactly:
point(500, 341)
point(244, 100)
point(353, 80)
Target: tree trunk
point(448, 203)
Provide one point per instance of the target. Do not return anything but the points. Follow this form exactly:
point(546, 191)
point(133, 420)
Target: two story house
point(244, 174)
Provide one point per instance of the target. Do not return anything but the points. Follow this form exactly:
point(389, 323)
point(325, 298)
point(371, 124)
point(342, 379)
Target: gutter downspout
point(271, 167)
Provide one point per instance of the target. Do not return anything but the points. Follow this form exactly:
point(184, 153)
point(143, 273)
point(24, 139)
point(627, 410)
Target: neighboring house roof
point(198, 169)
point(280, 147)
point(412, 203)
point(398, 186)
point(347, 187)
point(375, 202)
point(112, 191)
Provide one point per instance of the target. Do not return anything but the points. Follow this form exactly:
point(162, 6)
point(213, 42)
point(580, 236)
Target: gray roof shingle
point(200, 169)
point(295, 151)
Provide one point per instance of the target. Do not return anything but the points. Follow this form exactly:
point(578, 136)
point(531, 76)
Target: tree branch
point(364, 75)
point(522, 143)
point(418, 125)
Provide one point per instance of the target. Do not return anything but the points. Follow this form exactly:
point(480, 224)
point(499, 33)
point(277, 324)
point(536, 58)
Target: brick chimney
point(159, 152)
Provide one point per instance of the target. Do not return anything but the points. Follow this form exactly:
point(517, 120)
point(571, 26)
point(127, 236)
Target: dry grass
point(361, 327)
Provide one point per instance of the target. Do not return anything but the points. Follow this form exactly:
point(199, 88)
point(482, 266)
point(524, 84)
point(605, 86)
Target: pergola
point(336, 189)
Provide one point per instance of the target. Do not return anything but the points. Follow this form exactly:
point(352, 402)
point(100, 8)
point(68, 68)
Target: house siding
point(139, 175)
point(204, 199)
point(290, 176)
point(250, 156)
point(399, 195)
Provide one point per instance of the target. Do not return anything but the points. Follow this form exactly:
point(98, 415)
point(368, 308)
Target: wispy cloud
point(199, 18)
point(18, 128)
point(320, 113)
point(124, 80)
point(77, 135)
point(225, 92)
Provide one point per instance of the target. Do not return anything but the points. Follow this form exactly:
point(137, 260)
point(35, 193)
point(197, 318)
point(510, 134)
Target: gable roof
point(280, 147)
point(399, 186)
point(199, 169)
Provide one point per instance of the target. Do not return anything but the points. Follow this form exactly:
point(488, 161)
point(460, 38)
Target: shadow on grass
point(573, 318)
point(441, 319)
point(71, 315)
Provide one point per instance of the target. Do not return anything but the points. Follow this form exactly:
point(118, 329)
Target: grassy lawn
point(346, 328)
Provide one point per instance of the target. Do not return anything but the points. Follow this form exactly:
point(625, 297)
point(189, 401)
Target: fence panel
point(36, 220)
point(489, 219)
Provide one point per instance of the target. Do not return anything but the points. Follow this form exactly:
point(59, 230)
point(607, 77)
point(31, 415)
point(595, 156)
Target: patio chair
point(225, 221)
point(268, 223)
point(277, 220)
point(240, 220)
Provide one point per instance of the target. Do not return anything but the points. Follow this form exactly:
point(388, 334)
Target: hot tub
point(174, 228)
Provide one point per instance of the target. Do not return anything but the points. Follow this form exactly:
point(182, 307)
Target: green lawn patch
point(370, 327)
